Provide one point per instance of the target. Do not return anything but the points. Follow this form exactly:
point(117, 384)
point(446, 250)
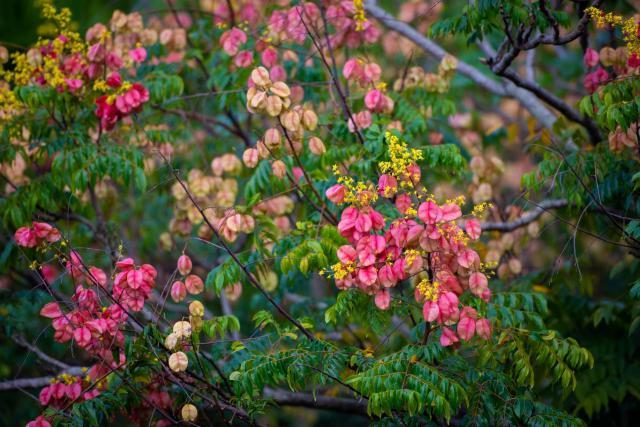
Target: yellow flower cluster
point(411, 255)
point(358, 16)
point(401, 157)
point(356, 192)
point(460, 200)
point(9, 104)
point(428, 289)
point(339, 270)
point(628, 26)
point(479, 209)
point(68, 42)
point(62, 19)
point(64, 378)
point(459, 237)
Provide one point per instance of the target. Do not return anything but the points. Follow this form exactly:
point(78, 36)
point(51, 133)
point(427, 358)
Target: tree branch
point(306, 400)
point(505, 88)
point(526, 218)
point(19, 383)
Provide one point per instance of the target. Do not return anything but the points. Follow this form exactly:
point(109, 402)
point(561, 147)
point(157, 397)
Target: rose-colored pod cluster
point(352, 27)
point(66, 389)
point(94, 328)
point(37, 233)
point(231, 41)
point(132, 285)
point(286, 24)
point(425, 240)
point(191, 283)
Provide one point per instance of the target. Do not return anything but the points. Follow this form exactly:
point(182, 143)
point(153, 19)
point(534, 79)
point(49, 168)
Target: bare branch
point(338, 404)
point(504, 88)
point(527, 218)
point(19, 383)
point(39, 353)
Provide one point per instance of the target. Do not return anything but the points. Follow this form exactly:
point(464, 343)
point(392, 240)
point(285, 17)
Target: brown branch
point(554, 101)
point(306, 400)
point(19, 383)
point(526, 218)
point(19, 339)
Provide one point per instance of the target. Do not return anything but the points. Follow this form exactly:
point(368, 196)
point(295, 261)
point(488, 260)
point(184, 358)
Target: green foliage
point(353, 305)
point(410, 381)
point(313, 254)
point(220, 325)
point(558, 357)
point(309, 364)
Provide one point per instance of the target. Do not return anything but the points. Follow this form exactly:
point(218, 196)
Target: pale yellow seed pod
point(171, 341)
point(189, 412)
point(309, 120)
point(291, 120)
point(259, 101)
point(273, 105)
point(182, 329)
point(279, 169)
point(515, 265)
point(272, 138)
point(250, 157)
point(178, 362)
point(248, 224)
point(196, 308)
point(280, 89)
point(608, 56)
point(260, 76)
point(263, 151)
point(316, 146)
point(196, 322)
point(533, 229)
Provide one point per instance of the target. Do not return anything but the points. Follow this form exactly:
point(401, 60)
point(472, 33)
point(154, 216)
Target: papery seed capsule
point(280, 89)
point(263, 151)
point(248, 224)
point(259, 101)
point(196, 308)
point(196, 323)
point(178, 362)
point(182, 329)
point(178, 291)
point(272, 138)
point(316, 146)
point(291, 120)
point(269, 281)
point(234, 223)
point(250, 157)
point(189, 412)
point(171, 341)
point(273, 106)
point(233, 292)
point(279, 169)
point(194, 284)
point(309, 120)
point(184, 265)
point(260, 76)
